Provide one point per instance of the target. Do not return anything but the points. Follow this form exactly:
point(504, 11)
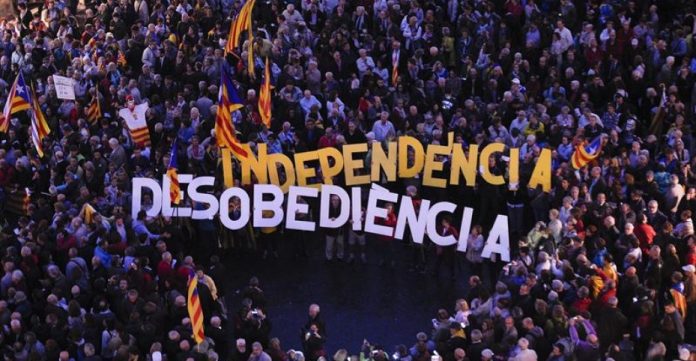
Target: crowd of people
point(604, 264)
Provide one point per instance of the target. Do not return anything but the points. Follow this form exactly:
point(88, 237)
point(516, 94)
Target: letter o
point(225, 208)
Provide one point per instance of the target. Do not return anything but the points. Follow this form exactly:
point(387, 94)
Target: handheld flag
point(586, 153)
point(656, 123)
point(88, 213)
point(228, 102)
point(195, 311)
point(4, 123)
point(241, 22)
point(19, 99)
point(136, 123)
point(94, 110)
point(173, 175)
point(395, 74)
point(39, 125)
point(265, 97)
point(250, 55)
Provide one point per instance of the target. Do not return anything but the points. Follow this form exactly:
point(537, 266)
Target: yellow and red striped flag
point(39, 125)
point(240, 23)
point(228, 102)
point(586, 153)
point(173, 175)
point(195, 311)
point(136, 122)
point(250, 55)
point(265, 97)
point(4, 123)
point(395, 74)
point(19, 99)
point(94, 110)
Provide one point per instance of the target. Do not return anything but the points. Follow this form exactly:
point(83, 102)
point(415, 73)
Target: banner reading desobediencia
point(406, 158)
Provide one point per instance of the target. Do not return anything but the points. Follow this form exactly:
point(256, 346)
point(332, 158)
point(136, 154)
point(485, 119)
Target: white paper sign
point(64, 87)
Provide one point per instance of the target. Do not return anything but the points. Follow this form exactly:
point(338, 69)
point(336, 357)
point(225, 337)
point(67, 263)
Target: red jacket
point(645, 234)
point(164, 270)
point(582, 305)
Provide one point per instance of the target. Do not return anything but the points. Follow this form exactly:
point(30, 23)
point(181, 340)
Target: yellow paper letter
point(486, 153)
point(382, 161)
point(350, 164)
point(407, 143)
point(432, 165)
point(275, 161)
point(461, 165)
point(542, 171)
point(328, 171)
point(303, 174)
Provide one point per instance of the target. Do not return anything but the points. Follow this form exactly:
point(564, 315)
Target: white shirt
point(566, 38)
point(364, 64)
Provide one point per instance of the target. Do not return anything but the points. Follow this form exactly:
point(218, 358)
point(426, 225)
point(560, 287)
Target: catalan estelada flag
point(586, 153)
point(94, 111)
point(195, 310)
point(265, 97)
point(39, 125)
point(173, 175)
point(18, 100)
point(239, 24)
point(228, 102)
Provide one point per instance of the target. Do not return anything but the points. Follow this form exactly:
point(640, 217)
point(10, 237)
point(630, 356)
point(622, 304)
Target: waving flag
point(19, 99)
point(240, 23)
point(173, 175)
point(586, 153)
point(4, 123)
point(228, 102)
point(195, 311)
point(136, 122)
point(94, 111)
point(250, 56)
point(39, 125)
point(265, 97)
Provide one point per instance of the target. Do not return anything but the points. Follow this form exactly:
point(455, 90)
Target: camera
point(255, 313)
